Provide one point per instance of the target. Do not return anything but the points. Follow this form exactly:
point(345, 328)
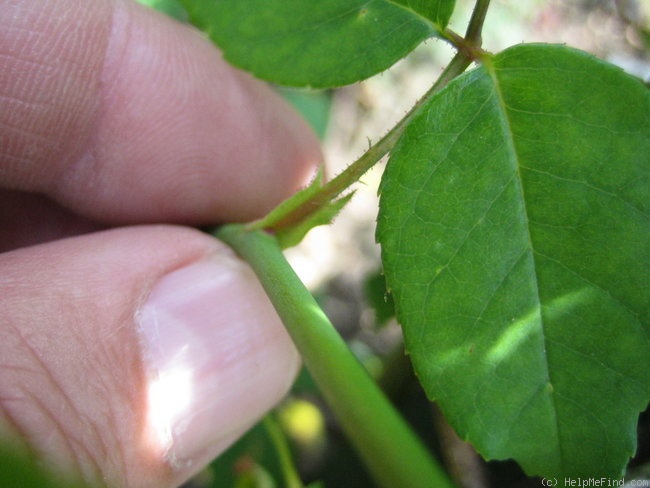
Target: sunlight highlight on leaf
point(513, 337)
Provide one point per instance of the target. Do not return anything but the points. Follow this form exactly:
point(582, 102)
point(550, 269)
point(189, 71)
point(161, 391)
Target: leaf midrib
point(512, 150)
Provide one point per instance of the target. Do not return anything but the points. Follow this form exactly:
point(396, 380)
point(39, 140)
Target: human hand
point(133, 352)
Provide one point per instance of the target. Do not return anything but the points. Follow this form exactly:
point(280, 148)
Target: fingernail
point(217, 358)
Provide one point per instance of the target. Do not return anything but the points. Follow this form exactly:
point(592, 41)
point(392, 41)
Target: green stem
point(391, 451)
point(382, 147)
point(291, 478)
point(475, 25)
point(470, 45)
point(333, 188)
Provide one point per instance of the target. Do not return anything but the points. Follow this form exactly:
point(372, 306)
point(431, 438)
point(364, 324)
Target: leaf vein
point(599, 362)
point(509, 136)
point(591, 283)
point(586, 184)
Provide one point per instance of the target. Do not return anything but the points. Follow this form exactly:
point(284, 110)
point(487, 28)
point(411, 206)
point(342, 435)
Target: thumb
point(136, 355)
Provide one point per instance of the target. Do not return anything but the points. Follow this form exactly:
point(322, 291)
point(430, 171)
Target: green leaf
point(298, 214)
point(173, 8)
point(314, 106)
point(438, 11)
point(252, 457)
point(292, 235)
point(378, 298)
point(317, 43)
point(18, 468)
point(515, 232)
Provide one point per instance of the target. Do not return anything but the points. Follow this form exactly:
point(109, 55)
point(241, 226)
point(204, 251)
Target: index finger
point(123, 115)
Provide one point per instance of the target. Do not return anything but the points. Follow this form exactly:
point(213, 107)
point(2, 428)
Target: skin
point(120, 130)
